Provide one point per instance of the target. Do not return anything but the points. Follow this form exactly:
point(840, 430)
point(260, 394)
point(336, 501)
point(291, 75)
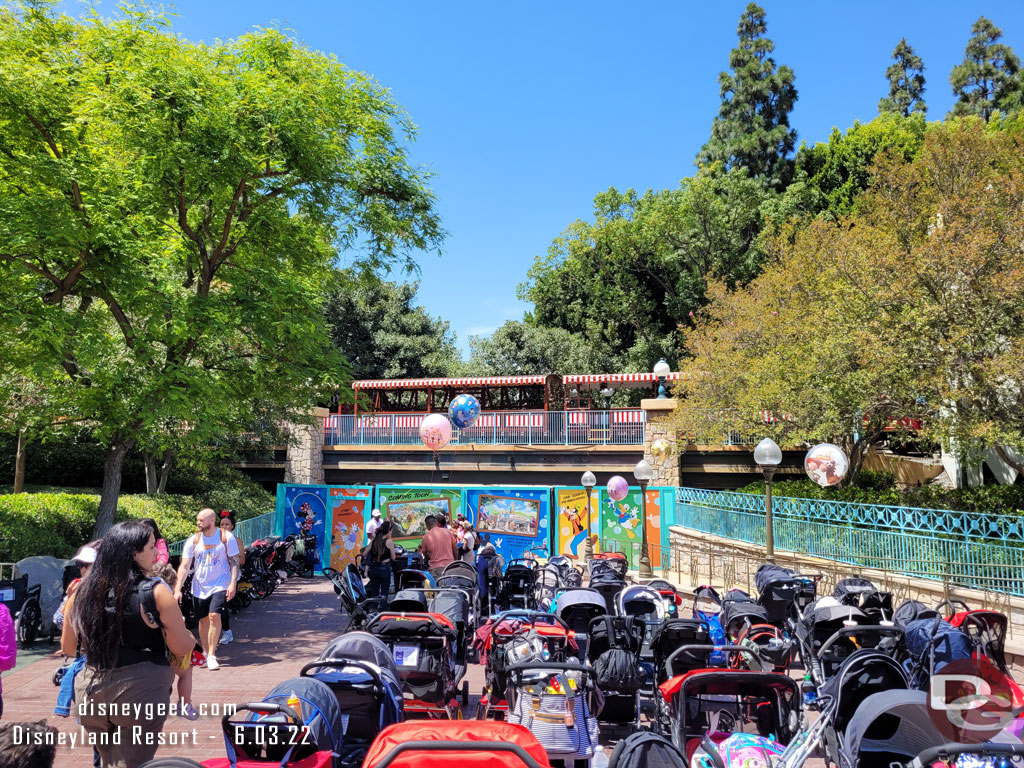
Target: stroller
point(740, 611)
point(614, 560)
point(411, 578)
point(548, 582)
point(670, 597)
point(614, 653)
point(821, 650)
point(489, 566)
point(274, 734)
point(608, 578)
point(866, 596)
point(670, 661)
point(577, 608)
point(360, 670)
point(709, 705)
point(518, 584)
point(461, 575)
point(422, 645)
point(712, 618)
point(552, 701)
point(909, 610)
point(511, 638)
point(469, 744)
point(778, 590)
point(930, 645)
point(986, 628)
point(645, 604)
point(351, 592)
point(571, 575)
point(455, 604)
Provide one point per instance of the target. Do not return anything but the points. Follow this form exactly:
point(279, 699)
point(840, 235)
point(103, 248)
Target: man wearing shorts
point(214, 578)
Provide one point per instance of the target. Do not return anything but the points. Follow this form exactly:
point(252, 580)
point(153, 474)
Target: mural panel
point(571, 521)
point(350, 511)
point(514, 520)
point(621, 520)
point(407, 508)
point(304, 513)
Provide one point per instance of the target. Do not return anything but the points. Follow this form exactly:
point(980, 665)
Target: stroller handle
point(689, 648)
point(945, 751)
point(260, 706)
point(410, 615)
point(338, 662)
point(517, 670)
point(458, 746)
point(531, 616)
point(859, 629)
point(952, 604)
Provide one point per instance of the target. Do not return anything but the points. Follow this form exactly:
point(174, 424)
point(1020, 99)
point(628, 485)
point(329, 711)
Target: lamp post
point(588, 481)
point(606, 393)
point(643, 472)
point(768, 456)
point(661, 370)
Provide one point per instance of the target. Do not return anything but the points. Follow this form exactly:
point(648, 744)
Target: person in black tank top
point(379, 553)
point(125, 641)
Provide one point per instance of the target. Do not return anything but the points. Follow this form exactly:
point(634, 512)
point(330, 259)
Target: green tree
point(985, 81)
point(752, 127)
point(626, 281)
point(382, 334)
point(521, 348)
point(906, 83)
point(169, 212)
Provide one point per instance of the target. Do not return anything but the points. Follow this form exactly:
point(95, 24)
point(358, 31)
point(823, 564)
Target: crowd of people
point(124, 638)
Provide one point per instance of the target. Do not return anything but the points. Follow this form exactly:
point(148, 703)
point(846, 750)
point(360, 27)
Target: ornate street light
point(643, 472)
point(661, 370)
point(588, 481)
point(606, 393)
point(768, 456)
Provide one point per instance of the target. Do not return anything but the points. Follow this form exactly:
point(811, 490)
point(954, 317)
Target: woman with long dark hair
point(379, 553)
point(126, 622)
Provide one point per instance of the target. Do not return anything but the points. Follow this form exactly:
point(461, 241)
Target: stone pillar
point(304, 463)
point(659, 425)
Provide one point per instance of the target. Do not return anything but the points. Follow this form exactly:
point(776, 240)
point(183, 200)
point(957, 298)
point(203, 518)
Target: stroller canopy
point(950, 643)
point(579, 596)
point(409, 601)
point(733, 610)
point(863, 672)
point(768, 573)
point(362, 646)
point(641, 600)
point(896, 723)
point(909, 610)
point(470, 743)
point(320, 710)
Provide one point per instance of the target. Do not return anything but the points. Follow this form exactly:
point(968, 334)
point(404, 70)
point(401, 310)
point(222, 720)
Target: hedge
point(59, 523)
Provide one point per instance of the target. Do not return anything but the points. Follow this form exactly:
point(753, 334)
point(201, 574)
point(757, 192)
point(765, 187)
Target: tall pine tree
point(906, 83)
point(986, 79)
point(752, 127)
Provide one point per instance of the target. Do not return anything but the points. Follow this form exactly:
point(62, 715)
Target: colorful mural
point(514, 520)
point(305, 514)
point(571, 521)
point(407, 508)
point(350, 511)
point(621, 520)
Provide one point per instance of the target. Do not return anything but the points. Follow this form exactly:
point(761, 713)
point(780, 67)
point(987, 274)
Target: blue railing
point(611, 427)
point(970, 549)
point(247, 531)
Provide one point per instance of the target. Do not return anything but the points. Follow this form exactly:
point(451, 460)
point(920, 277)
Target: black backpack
point(644, 749)
point(617, 671)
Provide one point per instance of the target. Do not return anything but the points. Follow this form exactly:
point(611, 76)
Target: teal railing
point(247, 531)
point(970, 549)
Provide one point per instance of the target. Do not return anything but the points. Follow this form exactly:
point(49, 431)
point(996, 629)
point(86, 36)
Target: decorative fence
point(968, 549)
point(247, 531)
point(611, 427)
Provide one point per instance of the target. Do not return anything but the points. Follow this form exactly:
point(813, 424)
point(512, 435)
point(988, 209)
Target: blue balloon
point(463, 411)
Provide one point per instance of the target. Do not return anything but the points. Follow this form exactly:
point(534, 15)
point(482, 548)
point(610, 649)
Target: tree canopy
point(169, 212)
point(985, 81)
point(752, 128)
point(906, 82)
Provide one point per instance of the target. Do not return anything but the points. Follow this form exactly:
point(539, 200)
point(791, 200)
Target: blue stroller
point(360, 670)
point(713, 619)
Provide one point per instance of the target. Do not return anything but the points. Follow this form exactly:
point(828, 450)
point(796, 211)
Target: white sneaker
point(211, 662)
point(189, 712)
point(226, 638)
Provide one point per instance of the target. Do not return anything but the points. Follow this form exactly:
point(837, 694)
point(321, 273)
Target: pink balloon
point(618, 488)
point(435, 431)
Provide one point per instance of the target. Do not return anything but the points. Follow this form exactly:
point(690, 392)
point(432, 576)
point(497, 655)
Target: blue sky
point(527, 110)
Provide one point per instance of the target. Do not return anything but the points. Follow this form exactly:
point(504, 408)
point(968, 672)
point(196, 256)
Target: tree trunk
point(111, 487)
point(149, 462)
point(19, 462)
point(165, 470)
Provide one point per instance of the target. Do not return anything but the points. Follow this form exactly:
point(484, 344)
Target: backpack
point(617, 671)
point(148, 601)
point(644, 749)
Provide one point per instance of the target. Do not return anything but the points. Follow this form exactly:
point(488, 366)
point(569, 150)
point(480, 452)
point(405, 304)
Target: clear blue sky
point(526, 110)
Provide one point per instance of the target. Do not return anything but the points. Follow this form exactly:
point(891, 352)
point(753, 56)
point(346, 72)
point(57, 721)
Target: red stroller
point(472, 744)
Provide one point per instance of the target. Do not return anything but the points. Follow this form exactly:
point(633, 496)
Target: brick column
point(305, 460)
point(659, 426)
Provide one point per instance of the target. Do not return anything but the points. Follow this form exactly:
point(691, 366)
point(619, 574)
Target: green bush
point(58, 523)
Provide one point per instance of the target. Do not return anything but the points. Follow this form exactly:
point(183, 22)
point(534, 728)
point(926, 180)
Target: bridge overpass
point(508, 448)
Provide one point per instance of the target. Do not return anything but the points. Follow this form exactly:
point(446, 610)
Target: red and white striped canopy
point(481, 381)
point(627, 379)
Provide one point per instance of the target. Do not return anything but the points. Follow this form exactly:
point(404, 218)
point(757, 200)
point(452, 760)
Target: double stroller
point(613, 651)
point(748, 623)
point(518, 585)
point(577, 608)
point(424, 647)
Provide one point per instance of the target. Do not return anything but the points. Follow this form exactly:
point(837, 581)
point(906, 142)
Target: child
point(181, 665)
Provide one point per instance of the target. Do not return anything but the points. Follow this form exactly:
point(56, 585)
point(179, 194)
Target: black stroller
point(577, 608)
point(607, 578)
point(822, 620)
point(777, 592)
point(614, 653)
point(740, 611)
point(360, 669)
point(862, 594)
point(548, 582)
point(671, 636)
point(518, 585)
